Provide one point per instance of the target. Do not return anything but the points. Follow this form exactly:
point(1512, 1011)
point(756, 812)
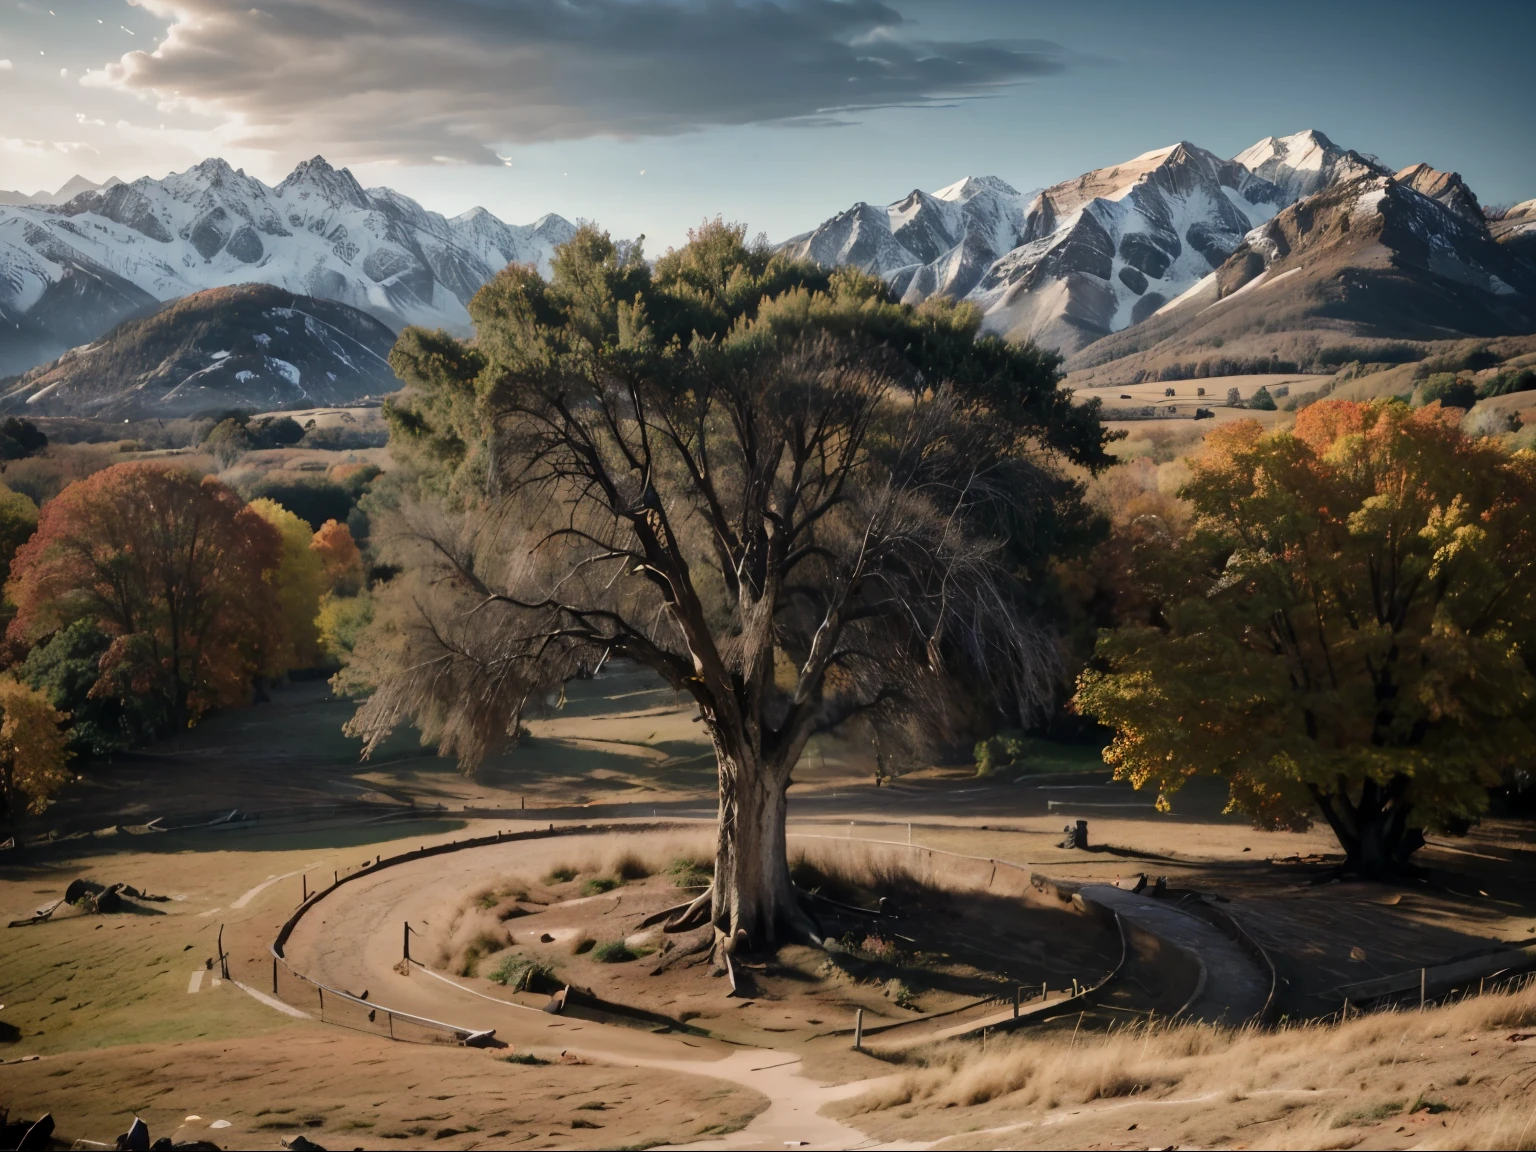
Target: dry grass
point(632, 858)
point(1323, 1082)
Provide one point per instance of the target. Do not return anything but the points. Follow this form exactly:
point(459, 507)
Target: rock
point(302, 1144)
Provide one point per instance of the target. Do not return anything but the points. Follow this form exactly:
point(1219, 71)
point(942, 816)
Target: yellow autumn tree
point(1349, 629)
point(298, 582)
point(33, 748)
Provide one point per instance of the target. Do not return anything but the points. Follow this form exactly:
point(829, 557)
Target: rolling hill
point(253, 346)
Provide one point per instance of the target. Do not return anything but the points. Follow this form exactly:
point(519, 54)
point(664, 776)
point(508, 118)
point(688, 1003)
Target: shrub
point(519, 972)
point(65, 669)
point(1451, 390)
point(274, 432)
point(561, 874)
point(999, 751)
point(480, 947)
point(614, 952)
point(524, 1058)
point(1261, 401)
point(227, 441)
point(337, 439)
point(1523, 380)
point(598, 885)
point(1337, 355)
point(688, 873)
point(631, 867)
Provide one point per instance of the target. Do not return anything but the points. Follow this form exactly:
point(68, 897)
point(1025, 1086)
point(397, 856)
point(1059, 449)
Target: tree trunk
point(753, 892)
point(1373, 831)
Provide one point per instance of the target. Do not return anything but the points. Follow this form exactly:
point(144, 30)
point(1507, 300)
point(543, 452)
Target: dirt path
point(1233, 989)
point(353, 940)
point(793, 1116)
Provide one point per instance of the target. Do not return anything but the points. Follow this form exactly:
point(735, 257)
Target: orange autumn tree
point(170, 566)
point(1347, 630)
point(339, 556)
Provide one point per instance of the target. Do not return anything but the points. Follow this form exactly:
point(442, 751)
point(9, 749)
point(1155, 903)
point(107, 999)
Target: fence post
point(391, 1016)
point(1018, 994)
point(304, 887)
point(1423, 973)
point(321, 991)
point(858, 1029)
point(274, 975)
point(335, 877)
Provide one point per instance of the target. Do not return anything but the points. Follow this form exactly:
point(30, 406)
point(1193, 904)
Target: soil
point(932, 951)
point(104, 1001)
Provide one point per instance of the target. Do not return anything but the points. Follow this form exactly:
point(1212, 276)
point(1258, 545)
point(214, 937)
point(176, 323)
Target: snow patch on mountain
point(1068, 264)
point(317, 233)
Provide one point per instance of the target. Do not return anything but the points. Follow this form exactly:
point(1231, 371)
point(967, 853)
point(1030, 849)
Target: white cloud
point(5, 65)
point(401, 80)
point(44, 147)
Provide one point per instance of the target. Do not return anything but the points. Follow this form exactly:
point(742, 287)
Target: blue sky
point(649, 115)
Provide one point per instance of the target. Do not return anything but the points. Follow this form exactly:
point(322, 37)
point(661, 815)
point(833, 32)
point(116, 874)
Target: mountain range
point(1291, 248)
point(1074, 264)
point(70, 271)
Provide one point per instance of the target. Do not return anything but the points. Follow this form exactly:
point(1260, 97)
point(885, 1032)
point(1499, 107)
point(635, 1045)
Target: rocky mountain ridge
point(1111, 251)
point(69, 272)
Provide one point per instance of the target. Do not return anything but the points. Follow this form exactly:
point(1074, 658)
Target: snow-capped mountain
point(1515, 228)
point(1364, 263)
point(251, 346)
point(1088, 256)
point(69, 272)
point(71, 188)
point(927, 243)
point(1305, 163)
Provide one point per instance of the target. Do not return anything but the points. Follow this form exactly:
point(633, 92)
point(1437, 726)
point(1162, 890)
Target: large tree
point(171, 567)
point(792, 498)
point(1347, 630)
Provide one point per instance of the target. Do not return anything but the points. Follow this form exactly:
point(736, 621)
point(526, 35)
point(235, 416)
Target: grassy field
point(105, 1003)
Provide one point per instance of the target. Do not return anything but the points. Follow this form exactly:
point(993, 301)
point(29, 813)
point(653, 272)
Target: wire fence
point(348, 1010)
point(358, 1010)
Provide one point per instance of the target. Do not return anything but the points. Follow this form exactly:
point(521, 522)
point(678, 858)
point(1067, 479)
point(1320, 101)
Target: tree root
point(664, 914)
point(704, 944)
point(695, 915)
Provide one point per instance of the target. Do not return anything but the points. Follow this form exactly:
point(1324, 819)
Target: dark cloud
point(453, 79)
